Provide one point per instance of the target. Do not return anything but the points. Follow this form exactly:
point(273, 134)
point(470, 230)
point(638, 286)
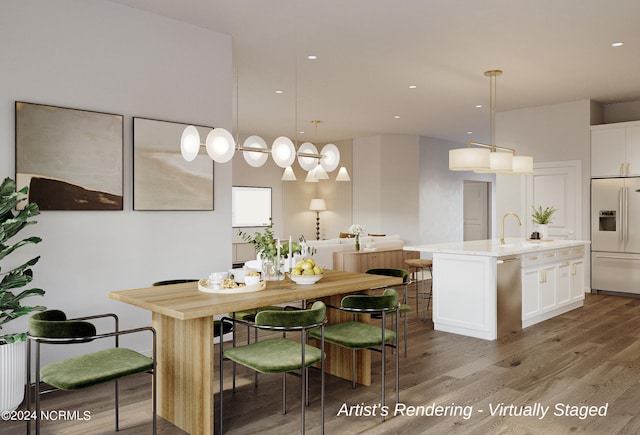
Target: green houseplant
point(13, 345)
point(543, 216)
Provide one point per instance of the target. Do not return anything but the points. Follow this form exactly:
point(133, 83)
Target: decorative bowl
point(306, 279)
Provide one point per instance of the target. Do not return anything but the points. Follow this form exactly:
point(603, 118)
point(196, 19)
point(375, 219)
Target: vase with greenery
point(542, 217)
point(268, 247)
point(12, 221)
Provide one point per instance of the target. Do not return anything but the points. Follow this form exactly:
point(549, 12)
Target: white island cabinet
point(486, 290)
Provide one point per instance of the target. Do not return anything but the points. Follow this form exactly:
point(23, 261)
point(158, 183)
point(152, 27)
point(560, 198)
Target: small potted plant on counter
point(542, 217)
point(13, 346)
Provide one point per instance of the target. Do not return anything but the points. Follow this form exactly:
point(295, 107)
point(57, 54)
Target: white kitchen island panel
point(467, 305)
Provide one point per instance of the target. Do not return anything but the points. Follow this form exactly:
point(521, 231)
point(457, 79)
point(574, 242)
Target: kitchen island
point(486, 289)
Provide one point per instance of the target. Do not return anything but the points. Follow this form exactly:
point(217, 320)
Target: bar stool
point(420, 265)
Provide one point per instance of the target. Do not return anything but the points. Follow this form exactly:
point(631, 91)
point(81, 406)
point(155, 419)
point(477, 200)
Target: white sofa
point(326, 248)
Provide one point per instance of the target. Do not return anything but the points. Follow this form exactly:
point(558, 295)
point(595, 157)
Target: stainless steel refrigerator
point(615, 235)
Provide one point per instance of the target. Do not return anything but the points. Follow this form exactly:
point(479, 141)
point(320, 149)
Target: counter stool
point(419, 265)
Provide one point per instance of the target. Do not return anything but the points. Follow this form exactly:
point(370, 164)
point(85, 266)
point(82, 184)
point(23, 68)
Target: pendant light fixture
point(490, 158)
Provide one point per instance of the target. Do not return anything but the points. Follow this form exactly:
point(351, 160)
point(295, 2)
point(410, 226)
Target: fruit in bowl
point(306, 272)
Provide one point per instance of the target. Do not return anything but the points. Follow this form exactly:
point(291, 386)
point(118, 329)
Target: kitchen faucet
point(503, 218)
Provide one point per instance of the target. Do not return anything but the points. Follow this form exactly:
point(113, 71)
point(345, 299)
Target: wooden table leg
point(339, 359)
point(185, 372)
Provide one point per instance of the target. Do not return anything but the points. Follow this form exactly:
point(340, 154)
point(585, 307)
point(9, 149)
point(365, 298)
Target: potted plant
point(13, 346)
point(542, 217)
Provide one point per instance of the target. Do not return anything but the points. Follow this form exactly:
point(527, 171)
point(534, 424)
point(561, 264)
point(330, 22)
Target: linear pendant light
point(490, 158)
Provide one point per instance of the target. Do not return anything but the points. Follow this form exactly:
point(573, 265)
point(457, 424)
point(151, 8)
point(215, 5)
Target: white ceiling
point(370, 51)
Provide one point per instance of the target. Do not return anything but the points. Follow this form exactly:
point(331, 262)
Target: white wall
point(105, 57)
point(386, 174)
point(441, 193)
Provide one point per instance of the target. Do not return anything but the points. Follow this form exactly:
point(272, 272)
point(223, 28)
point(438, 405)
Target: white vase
point(13, 374)
point(543, 229)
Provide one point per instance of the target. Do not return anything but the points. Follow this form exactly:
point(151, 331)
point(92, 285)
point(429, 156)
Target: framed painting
point(70, 159)
point(162, 179)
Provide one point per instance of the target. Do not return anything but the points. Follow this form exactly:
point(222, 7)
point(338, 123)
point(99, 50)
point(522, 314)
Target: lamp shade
point(501, 163)
point(288, 174)
point(310, 178)
point(523, 165)
point(319, 173)
point(220, 145)
point(317, 204)
point(469, 159)
point(330, 157)
point(283, 152)
point(190, 143)
point(255, 158)
point(343, 175)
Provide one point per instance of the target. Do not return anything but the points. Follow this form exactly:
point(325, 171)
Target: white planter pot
point(543, 229)
point(13, 374)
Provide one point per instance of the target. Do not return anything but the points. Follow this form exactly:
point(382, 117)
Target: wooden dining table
point(183, 319)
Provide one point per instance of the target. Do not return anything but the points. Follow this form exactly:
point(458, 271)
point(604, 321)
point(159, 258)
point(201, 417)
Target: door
point(607, 197)
point(476, 210)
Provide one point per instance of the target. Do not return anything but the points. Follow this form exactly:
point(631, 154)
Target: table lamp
point(317, 205)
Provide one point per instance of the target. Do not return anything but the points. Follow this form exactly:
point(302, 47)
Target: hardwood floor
point(587, 357)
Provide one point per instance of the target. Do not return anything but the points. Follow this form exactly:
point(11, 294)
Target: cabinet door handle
point(550, 255)
point(543, 276)
point(573, 272)
point(628, 168)
point(530, 259)
point(565, 264)
point(621, 168)
point(561, 253)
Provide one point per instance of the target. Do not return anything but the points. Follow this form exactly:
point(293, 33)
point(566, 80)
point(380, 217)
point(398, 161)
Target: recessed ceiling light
point(279, 92)
point(301, 132)
point(617, 44)
point(478, 106)
point(312, 57)
point(395, 117)
point(410, 87)
point(469, 132)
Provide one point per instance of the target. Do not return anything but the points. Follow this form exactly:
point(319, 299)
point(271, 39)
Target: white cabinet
point(552, 283)
point(615, 150)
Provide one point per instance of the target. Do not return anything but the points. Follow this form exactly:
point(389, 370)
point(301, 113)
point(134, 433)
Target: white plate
point(203, 286)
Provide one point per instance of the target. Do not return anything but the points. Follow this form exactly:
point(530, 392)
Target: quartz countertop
point(493, 248)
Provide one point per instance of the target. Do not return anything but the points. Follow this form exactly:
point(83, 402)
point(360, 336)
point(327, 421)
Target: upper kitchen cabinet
point(615, 150)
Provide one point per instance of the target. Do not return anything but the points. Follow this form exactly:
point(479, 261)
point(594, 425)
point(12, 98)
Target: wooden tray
point(203, 286)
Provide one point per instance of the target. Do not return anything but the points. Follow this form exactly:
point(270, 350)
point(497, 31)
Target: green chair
point(281, 354)
point(356, 335)
point(404, 307)
point(78, 372)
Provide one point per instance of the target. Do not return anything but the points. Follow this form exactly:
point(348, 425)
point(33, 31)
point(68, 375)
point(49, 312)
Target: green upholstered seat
point(84, 371)
point(279, 355)
point(78, 372)
point(275, 355)
point(356, 335)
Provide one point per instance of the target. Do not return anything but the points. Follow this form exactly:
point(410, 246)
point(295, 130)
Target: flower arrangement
point(543, 216)
point(357, 230)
